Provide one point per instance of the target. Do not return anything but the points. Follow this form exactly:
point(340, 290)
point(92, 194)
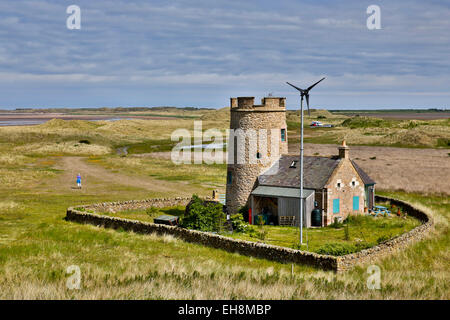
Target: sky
point(199, 53)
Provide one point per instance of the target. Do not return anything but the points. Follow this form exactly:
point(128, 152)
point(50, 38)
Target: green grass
point(362, 229)
point(147, 215)
point(151, 146)
point(367, 122)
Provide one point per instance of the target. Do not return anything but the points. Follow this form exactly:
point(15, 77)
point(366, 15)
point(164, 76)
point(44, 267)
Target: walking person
point(79, 181)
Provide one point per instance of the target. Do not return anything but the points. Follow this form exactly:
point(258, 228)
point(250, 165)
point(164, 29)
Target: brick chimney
point(343, 151)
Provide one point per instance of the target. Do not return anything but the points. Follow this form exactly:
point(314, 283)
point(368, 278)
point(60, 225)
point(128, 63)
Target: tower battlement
point(267, 103)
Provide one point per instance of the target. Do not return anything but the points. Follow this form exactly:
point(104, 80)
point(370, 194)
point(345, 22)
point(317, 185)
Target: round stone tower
point(258, 136)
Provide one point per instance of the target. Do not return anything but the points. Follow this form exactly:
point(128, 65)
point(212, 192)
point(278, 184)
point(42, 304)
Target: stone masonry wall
point(138, 204)
point(254, 249)
point(246, 116)
point(345, 174)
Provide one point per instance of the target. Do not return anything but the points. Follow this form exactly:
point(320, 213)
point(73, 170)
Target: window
point(335, 206)
point(338, 184)
point(283, 135)
point(356, 203)
point(353, 183)
point(229, 177)
point(258, 155)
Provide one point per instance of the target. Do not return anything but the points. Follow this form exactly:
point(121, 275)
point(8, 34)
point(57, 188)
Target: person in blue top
point(79, 180)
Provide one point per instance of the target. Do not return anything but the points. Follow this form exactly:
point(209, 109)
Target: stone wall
point(138, 204)
point(344, 174)
point(254, 249)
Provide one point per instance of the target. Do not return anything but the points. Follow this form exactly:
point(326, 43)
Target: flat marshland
point(38, 168)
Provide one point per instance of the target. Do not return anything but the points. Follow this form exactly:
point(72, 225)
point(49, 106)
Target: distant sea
point(31, 122)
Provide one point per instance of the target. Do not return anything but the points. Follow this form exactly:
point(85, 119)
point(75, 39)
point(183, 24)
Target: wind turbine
point(303, 93)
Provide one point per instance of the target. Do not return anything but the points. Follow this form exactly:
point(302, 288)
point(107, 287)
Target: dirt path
point(94, 177)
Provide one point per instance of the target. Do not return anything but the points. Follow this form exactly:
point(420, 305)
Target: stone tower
point(250, 118)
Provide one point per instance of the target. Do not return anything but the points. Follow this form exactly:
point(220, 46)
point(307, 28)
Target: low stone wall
point(137, 204)
point(254, 249)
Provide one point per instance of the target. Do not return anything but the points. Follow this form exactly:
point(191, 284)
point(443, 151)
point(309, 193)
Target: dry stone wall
point(254, 249)
point(138, 204)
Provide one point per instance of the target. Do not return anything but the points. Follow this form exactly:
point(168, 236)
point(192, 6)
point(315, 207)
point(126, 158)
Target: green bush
point(346, 232)
point(152, 211)
point(238, 223)
point(336, 224)
point(337, 249)
point(262, 232)
point(244, 212)
point(203, 216)
point(361, 245)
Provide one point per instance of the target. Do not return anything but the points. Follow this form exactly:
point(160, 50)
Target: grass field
point(37, 245)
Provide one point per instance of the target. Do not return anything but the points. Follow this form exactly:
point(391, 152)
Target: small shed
point(167, 220)
point(278, 202)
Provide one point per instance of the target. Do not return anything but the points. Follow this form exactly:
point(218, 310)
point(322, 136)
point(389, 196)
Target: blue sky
point(201, 53)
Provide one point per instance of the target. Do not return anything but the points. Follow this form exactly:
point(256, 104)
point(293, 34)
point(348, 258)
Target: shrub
point(346, 232)
point(251, 231)
point(336, 249)
point(262, 232)
point(361, 245)
point(244, 212)
point(238, 223)
point(152, 211)
point(203, 215)
point(336, 224)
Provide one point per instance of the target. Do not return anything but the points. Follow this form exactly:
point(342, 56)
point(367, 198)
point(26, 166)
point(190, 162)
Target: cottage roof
point(281, 192)
point(364, 176)
point(317, 171)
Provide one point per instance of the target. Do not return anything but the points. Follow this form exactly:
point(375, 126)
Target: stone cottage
point(335, 185)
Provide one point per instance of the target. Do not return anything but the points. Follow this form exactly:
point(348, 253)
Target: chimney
point(343, 151)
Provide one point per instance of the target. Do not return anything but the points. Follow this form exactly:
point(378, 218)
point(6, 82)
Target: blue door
point(355, 203)
point(335, 205)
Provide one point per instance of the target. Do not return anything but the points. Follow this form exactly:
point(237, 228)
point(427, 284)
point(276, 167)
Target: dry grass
point(8, 205)
point(63, 148)
point(411, 170)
